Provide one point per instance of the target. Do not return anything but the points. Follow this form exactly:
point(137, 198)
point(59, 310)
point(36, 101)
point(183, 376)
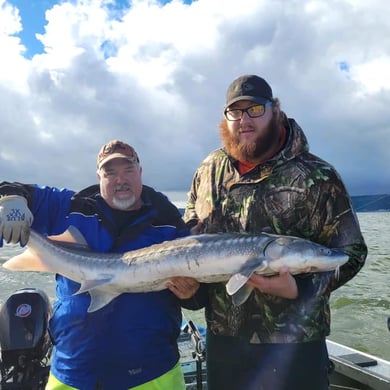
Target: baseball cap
point(248, 87)
point(116, 149)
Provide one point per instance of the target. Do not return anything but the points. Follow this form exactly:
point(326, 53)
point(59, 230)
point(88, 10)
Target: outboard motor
point(24, 340)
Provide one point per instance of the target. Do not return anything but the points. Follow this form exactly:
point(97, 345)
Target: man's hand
point(15, 220)
point(183, 287)
point(282, 285)
point(197, 229)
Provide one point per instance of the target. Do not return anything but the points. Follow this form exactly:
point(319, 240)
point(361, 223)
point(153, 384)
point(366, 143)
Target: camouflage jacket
point(295, 193)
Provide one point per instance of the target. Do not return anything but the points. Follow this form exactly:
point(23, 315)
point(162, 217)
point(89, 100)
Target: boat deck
point(353, 370)
point(357, 370)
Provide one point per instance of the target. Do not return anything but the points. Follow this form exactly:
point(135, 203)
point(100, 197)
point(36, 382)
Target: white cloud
point(155, 75)
point(373, 75)
point(13, 66)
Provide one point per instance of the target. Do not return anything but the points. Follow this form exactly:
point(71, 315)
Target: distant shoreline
point(365, 203)
point(361, 203)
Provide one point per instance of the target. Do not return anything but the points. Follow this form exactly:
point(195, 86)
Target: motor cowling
point(24, 321)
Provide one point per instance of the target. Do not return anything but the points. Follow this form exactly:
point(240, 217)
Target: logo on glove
point(16, 215)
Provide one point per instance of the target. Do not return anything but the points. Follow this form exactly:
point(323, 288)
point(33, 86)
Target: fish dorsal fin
point(242, 294)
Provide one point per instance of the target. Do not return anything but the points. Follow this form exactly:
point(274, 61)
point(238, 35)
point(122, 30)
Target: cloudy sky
point(75, 74)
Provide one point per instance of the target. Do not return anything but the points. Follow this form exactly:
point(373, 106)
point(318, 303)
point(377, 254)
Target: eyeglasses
point(252, 111)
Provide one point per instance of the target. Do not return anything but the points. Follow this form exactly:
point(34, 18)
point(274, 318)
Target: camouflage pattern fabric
point(295, 193)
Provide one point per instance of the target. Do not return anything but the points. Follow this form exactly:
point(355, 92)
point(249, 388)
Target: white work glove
point(15, 219)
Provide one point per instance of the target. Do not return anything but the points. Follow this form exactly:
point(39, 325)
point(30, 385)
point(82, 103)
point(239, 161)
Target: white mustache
point(123, 187)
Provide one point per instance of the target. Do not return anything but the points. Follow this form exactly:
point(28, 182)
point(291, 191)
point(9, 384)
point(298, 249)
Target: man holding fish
point(131, 342)
point(264, 179)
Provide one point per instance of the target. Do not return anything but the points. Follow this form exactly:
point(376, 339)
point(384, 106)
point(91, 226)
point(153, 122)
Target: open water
point(359, 309)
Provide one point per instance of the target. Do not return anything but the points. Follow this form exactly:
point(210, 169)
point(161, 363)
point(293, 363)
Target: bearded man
point(264, 179)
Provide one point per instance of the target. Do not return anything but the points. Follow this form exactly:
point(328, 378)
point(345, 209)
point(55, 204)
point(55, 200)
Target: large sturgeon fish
point(209, 258)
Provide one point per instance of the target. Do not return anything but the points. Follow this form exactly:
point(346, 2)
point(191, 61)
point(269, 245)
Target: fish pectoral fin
point(99, 299)
point(242, 294)
point(236, 282)
point(89, 285)
point(240, 278)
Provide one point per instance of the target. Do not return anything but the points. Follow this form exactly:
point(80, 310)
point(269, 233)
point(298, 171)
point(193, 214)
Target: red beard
point(253, 151)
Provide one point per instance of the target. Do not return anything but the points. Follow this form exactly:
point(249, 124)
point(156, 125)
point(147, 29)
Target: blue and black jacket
point(134, 338)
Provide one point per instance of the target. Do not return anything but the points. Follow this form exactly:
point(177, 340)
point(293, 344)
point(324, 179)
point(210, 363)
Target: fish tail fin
point(31, 261)
point(26, 261)
point(72, 236)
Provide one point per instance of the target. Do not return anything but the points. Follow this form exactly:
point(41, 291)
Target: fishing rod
point(199, 354)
